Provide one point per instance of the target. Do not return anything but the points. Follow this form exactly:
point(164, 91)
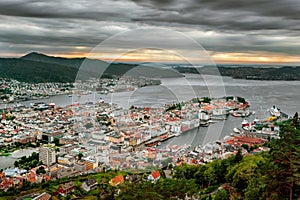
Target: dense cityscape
point(51, 143)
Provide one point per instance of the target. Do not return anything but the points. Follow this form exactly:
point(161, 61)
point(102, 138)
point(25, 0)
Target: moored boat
point(274, 111)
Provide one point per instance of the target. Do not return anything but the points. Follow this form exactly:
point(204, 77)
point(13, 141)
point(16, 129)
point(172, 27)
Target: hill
point(37, 67)
point(247, 72)
point(33, 71)
point(39, 57)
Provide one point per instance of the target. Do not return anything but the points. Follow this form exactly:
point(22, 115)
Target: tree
point(246, 147)
point(256, 189)
point(41, 170)
point(56, 141)
point(206, 100)
point(238, 157)
point(285, 166)
point(210, 175)
point(241, 99)
point(240, 174)
point(295, 121)
point(222, 195)
point(80, 155)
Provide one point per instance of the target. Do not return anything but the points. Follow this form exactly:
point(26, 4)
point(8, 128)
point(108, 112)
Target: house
point(134, 178)
point(89, 184)
point(67, 172)
point(154, 176)
point(66, 188)
point(117, 180)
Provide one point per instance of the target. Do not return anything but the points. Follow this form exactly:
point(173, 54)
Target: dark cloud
point(238, 25)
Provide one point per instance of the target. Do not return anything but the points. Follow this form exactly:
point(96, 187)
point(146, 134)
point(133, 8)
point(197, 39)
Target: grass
point(5, 154)
point(9, 149)
point(7, 198)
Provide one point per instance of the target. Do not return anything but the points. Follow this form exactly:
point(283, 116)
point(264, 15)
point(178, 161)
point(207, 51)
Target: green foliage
point(10, 117)
point(241, 99)
point(200, 100)
point(284, 170)
point(296, 121)
point(222, 195)
point(41, 170)
point(229, 98)
point(80, 155)
point(88, 125)
point(56, 141)
point(206, 100)
point(240, 174)
point(245, 146)
point(238, 157)
point(28, 162)
point(176, 106)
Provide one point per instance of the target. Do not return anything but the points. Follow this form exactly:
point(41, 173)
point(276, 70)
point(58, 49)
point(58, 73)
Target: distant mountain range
point(37, 67)
point(288, 73)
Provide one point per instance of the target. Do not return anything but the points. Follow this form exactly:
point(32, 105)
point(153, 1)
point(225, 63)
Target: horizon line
point(136, 61)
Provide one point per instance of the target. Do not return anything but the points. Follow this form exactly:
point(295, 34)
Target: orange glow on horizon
point(163, 56)
point(255, 57)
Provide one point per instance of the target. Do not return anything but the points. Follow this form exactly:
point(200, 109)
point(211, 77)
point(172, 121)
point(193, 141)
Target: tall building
point(90, 163)
point(47, 156)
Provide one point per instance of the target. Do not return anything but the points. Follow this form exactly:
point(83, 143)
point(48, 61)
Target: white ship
point(274, 111)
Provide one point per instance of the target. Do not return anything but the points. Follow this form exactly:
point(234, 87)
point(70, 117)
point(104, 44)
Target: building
point(250, 141)
point(116, 180)
point(53, 171)
point(47, 156)
point(66, 148)
point(154, 176)
point(80, 166)
point(66, 188)
point(90, 163)
point(66, 160)
point(89, 184)
point(67, 172)
point(26, 139)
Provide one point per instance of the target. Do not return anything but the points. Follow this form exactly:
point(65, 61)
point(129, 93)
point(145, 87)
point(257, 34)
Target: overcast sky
point(260, 31)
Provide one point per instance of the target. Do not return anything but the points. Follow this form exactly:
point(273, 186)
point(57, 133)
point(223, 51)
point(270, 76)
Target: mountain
point(37, 67)
point(33, 71)
point(39, 57)
point(247, 72)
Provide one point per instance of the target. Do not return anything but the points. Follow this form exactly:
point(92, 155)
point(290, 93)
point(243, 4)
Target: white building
point(47, 156)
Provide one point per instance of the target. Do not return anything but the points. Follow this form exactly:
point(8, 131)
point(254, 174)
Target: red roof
point(117, 180)
point(245, 140)
point(155, 174)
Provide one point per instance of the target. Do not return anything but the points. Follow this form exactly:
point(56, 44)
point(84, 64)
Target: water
point(261, 95)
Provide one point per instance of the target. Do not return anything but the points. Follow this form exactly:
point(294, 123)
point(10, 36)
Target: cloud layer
point(231, 26)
